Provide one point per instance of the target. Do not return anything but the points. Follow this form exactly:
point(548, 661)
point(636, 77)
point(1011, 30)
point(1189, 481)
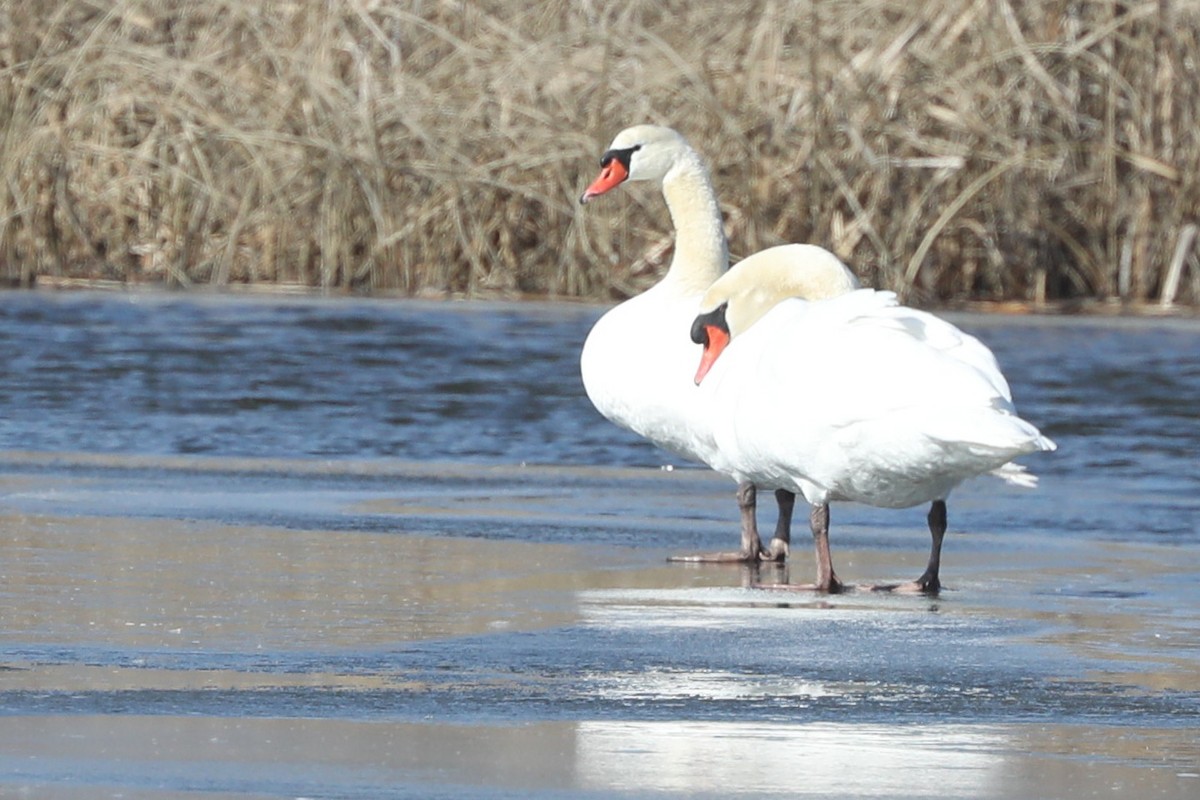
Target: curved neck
point(701, 251)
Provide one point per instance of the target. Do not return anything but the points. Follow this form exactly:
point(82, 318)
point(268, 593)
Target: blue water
point(243, 377)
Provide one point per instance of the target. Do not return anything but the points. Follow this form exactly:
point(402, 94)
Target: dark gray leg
point(781, 541)
point(928, 582)
point(752, 549)
point(747, 500)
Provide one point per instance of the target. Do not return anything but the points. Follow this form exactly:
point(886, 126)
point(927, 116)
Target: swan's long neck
point(701, 251)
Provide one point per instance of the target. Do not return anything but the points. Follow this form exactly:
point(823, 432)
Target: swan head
point(640, 153)
point(755, 285)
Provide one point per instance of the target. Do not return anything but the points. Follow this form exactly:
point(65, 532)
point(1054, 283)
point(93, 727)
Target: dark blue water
point(295, 378)
point(484, 383)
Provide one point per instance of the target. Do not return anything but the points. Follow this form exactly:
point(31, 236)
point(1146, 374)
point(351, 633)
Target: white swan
point(853, 398)
point(636, 359)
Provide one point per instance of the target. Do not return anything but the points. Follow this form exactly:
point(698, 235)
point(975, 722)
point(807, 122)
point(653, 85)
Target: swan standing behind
point(636, 359)
point(854, 398)
point(630, 360)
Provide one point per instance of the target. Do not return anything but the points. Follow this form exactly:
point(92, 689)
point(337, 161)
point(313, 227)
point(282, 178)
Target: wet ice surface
point(302, 549)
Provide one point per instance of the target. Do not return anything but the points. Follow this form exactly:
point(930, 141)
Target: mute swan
point(635, 359)
point(852, 398)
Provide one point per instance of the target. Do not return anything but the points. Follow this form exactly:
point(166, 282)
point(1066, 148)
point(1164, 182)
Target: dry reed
point(951, 149)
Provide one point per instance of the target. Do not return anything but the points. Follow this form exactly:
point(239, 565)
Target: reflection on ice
point(827, 760)
point(713, 685)
point(247, 756)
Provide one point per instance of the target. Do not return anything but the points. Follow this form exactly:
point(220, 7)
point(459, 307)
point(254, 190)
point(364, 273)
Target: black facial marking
point(623, 155)
point(715, 317)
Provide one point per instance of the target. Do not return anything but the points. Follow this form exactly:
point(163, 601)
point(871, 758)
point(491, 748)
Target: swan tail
point(1004, 435)
point(1015, 474)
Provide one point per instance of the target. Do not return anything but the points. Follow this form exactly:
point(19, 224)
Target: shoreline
point(1112, 307)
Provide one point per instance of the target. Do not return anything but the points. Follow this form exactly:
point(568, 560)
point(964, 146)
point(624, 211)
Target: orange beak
point(718, 340)
point(611, 176)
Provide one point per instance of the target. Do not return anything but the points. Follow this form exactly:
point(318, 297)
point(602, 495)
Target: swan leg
point(928, 583)
point(747, 500)
point(752, 549)
point(781, 541)
point(827, 580)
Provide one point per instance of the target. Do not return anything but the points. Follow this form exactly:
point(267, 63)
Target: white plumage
point(857, 398)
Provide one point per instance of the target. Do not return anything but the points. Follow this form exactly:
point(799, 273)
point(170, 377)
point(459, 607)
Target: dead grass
point(952, 150)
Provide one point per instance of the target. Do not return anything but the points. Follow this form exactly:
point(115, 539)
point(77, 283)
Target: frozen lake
point(366, 549)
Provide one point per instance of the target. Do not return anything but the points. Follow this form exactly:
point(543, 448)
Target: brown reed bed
point(952, 149)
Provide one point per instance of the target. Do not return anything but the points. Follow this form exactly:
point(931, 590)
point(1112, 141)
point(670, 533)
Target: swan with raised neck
point(657, 153)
